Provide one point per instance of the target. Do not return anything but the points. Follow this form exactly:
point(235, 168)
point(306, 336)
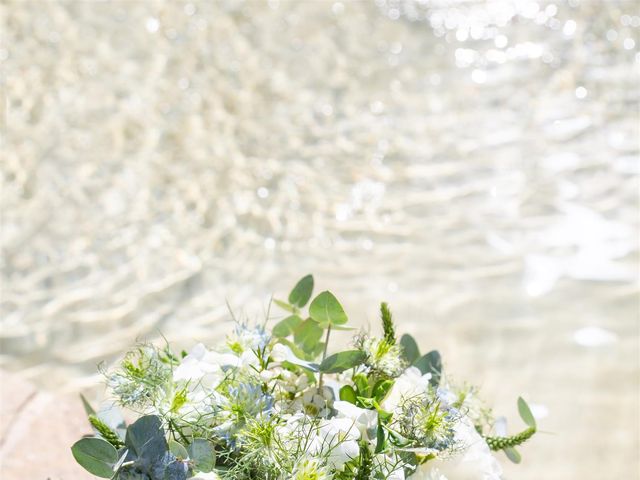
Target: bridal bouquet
point(275, 405)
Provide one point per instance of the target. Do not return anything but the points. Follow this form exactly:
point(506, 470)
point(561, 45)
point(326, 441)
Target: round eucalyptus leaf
point(96, 455)
point(145, 437)
point(525, 413)
point(203, 456)
point(327, 311)
point(301, 293)
point(178, 450)
point(339, 362)
point(410, 350)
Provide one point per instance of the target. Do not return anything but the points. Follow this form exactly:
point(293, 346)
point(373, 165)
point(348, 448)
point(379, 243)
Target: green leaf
point(342, 328)
point(431, 363)
point(307, 336)
point(410, 350)
point(301, 358)
point(339, 362)
point(286, 327)
point(96, 455)
point(380, 438)
point(348, 394)
point(87, 406)
point(301, 293)
point(513, 454)
point(381, 389)
point(202, 453)
point(525, 413)
point(362, 384)
point(145, 438)
point(327, 311)
point(176, 470)
point(178, 450)
point(284, 305)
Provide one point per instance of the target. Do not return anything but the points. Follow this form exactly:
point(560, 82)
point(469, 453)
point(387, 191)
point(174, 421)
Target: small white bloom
point(339, 437)
point(203, 366)
point(475, 463)
point(410, 384)
point(206, 476)
point(366, 421)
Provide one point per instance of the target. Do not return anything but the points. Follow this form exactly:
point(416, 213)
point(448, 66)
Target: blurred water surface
point(473, 163)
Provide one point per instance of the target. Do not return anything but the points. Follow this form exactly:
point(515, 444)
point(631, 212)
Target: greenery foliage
point(279, 406)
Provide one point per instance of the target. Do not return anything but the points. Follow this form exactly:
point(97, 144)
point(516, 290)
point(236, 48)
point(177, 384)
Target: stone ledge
point(37, 430)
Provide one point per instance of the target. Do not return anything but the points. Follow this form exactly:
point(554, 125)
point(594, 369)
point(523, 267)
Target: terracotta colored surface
point(36, 431)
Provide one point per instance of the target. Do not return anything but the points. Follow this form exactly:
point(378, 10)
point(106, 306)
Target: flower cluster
point(273, 405)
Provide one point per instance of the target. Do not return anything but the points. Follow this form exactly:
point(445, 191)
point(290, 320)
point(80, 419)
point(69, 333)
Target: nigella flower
point(310, 469)
point(249, 399)
point(248, 339)
point(382, 357)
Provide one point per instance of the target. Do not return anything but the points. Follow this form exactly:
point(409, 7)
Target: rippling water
point(473, 163)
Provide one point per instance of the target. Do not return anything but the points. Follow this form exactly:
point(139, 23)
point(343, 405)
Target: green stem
point(324, 355)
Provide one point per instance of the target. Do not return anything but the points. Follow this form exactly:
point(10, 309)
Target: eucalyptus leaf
point(339, 362)
point(342, 328)
point(410, 349)
point(431, 363)
point(317, 350)
point(286, 327)
point(301, 293)
point(300, 357)
point(292, 356)
point(95, 455)
point(513, 454)
point(525, 413)
point(309, 366)
point(178, 450)
point(145, 437)
point(132, 475)
point(176, 470)
point(327, 311)
point(284, 305)
point(307, 335)
point(203, 455)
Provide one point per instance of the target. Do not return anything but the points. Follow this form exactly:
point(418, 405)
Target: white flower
point(391, 466)
point(203, 366)
point(475, 463)
point(366, 421)
point(339, 438)
point(246, 338)
point(206, 476)
point(410, 384)
point(335, 440)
